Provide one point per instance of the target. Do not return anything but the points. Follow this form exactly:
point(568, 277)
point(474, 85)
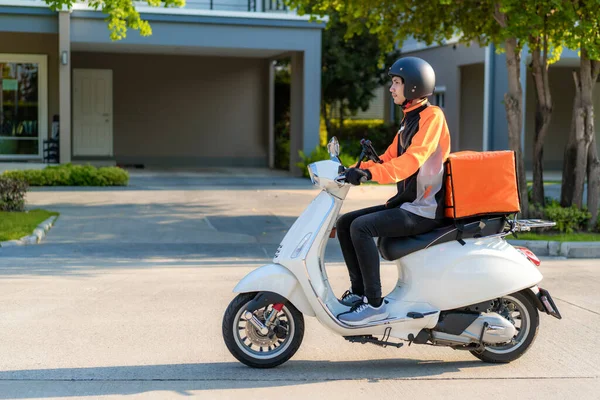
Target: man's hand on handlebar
point(356, 176)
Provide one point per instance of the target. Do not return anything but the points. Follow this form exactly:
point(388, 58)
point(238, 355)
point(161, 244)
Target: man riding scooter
point(415, 162)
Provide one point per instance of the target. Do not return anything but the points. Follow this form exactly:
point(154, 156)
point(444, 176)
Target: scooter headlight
point(312, 171)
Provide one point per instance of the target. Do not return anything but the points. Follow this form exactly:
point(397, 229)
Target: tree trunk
point(331, 113)
point(593, 170)
point(593, 175)
point(326, 118)
point(514, 110)
point(575, 166)
point(570, 155)
point(543, 116)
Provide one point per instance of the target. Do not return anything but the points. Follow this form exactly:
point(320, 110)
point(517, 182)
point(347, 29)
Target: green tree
point(483, 21)
point(581, 157)
point(121, 14)
point(350, 70)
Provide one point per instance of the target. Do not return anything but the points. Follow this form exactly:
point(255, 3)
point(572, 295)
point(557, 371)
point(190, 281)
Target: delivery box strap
point(471, 228)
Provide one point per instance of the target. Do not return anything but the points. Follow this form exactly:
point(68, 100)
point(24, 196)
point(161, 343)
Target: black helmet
point(417, 74)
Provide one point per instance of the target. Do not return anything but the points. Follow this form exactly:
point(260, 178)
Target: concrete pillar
point(498, 138)
point(271, 113)
point(499, 130)
point(312, 95)
point(488, 97)
point(305, 103)
point(64, 88)
point(296, 110)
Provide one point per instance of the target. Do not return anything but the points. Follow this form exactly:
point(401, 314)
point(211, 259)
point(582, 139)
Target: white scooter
point(472, 291)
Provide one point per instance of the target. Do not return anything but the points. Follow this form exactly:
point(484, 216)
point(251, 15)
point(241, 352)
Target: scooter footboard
point(277, 279)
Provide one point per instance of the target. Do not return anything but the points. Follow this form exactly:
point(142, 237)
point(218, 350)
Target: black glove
point(354, 175)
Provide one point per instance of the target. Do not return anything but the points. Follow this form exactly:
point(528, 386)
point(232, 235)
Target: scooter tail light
point(529, 254)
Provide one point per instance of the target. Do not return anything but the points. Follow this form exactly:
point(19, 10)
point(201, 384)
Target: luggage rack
point(525, 225)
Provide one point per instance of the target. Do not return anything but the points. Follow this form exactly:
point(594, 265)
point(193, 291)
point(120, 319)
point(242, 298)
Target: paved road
point(126, 296)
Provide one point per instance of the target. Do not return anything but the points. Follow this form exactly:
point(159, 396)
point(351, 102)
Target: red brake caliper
point(278, 306)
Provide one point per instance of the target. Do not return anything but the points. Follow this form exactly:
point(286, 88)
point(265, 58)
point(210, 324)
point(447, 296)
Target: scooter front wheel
point(255, 349)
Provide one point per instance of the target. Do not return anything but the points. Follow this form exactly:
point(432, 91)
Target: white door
point(92, 112)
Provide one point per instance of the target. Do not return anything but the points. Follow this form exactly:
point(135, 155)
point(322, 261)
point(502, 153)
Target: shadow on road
point(182, 378)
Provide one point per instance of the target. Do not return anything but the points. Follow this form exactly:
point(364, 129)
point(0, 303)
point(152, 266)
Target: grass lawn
point(530, 183)
point(565, 237)
point(15, 225)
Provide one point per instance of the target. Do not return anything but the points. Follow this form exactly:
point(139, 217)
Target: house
point(197, 92)
point(470, 85)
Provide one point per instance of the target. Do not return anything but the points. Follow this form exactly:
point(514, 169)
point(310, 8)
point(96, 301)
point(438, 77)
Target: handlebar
point(367, 151)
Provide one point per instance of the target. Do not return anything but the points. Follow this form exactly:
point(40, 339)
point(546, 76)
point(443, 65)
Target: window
point(23, 105)
point(439, 97)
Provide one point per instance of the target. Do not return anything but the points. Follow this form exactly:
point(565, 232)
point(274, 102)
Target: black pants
point(356, 231)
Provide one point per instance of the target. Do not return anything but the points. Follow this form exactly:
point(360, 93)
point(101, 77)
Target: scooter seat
point(393, 248)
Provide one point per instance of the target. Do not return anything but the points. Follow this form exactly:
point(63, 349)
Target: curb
point(560, 249)
point(36, 236)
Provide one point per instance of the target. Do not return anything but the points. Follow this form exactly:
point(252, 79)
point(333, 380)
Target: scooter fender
point(277, 279)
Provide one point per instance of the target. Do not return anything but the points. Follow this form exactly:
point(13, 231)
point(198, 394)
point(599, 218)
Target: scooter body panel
point(277, 279)
point(451, 275)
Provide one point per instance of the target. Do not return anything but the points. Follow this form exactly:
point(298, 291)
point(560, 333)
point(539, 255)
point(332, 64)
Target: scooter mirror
point(333, 147)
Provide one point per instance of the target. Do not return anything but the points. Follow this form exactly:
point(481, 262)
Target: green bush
point(12, 194)
point(568, 219)
point(72, 175)
point(320, 153)
point(379, 133)
point(282, 153)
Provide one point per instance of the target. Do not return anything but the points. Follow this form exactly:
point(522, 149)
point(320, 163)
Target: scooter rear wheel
point(252, 348)
point(518, 309)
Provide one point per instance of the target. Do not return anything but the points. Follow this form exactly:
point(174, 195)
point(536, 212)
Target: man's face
point(397, 90)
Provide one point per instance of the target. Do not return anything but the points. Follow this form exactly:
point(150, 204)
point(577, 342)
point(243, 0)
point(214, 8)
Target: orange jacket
point(432, 131)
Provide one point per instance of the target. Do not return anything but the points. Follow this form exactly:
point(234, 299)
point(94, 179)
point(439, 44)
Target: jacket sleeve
point(390, 153)
point(423, 144)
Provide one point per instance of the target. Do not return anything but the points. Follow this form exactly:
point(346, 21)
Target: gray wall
point(186, 110)
point(471, 107)
point(446, 62)
point(37, 43)
point(562, 89)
